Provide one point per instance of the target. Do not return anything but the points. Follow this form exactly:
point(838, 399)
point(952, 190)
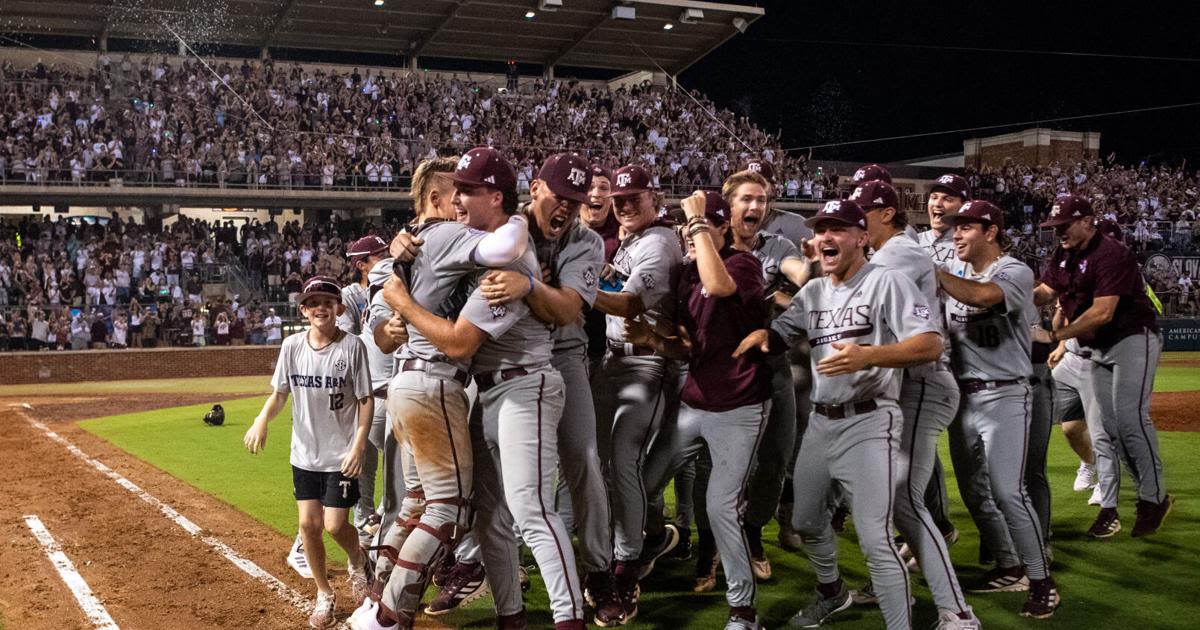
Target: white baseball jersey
point(326, 386)
point(647, 264)
point(515, 337)
point(354, 298)
point(876, 306)
point(941, 247)
point(993, 344)
point(577, 266)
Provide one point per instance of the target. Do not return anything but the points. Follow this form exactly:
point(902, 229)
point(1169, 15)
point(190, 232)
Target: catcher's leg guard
point(427, 543)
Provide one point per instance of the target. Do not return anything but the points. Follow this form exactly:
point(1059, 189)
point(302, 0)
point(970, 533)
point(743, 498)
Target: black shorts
point(332, 489)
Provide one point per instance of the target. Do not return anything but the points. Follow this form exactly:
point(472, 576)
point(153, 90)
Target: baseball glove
point(215, 417)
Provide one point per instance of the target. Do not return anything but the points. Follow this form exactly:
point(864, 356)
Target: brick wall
point(121, 365)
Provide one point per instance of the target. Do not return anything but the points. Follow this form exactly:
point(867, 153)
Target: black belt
point(381, 392)
point(629, 350)
point(419, 365)
point(974, 386)
point(488, 380)
point(845, 410)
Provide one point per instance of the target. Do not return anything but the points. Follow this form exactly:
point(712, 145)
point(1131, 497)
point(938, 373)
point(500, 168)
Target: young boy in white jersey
point(331, 417)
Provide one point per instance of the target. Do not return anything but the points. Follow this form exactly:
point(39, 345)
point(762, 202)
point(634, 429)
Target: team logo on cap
point(1055, 210)
point(831, 207)
point(857, 191)
point(859, 175)
point(463, 162)
point(754, 167)
point(946, 179)
point(623, 180)
point(966, 206)
point(577, 177)
point(491, 179)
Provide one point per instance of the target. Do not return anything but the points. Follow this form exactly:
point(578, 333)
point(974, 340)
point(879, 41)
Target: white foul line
point(284, 591)
point(91, 606)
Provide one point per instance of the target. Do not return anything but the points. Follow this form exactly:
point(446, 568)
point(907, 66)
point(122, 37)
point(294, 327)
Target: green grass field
point(1120, 583)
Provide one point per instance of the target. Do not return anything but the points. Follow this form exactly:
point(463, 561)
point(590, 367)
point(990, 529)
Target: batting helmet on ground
point(215, 416)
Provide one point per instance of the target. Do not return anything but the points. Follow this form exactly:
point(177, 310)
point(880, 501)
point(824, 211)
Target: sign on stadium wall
point(1181, 264)
point(1180, 334)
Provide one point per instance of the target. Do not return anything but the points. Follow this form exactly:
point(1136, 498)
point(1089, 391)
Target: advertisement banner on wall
point(1180, 334)
point(1181, 264)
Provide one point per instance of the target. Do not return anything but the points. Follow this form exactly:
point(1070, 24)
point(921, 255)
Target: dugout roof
point(581, 33)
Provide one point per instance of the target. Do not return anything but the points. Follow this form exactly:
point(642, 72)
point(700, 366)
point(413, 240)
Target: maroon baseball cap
point(762, 167)
point(1110, 229)
point(600, 170)
point(567, 175)
point(320, 286)
point(716, 209)
point(841, 211)
point(1067, 209)
point(485, 166)
point(875, 194)
point(631, 180)
point(871, 173)
point(368, 245)
point(954, 184)
point(977, 211)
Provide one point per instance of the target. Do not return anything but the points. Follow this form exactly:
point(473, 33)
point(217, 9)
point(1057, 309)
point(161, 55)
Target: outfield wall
point(122, 365)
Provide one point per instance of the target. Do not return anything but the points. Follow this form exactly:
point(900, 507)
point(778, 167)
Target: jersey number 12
point(336, 401)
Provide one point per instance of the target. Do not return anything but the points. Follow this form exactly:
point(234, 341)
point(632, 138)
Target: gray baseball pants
point(1074, 400)
point(631, 403)
point(732, 438)
point(992, 434)
point(1122, 378)
point(928, 404)
point(1041, 423)
point(515, 431)
point(859, 454)
point(774, 455)
point(370, 464)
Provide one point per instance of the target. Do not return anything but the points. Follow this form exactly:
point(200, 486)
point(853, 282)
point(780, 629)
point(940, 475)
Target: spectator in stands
point(273, 326)
point(99, 330)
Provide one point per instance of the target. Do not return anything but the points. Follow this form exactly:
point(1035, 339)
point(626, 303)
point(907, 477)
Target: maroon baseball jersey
point(610, 232)
point(1103, 268)
point(716, 381)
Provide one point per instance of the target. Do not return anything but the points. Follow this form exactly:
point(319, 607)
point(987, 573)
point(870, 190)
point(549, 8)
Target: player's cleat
point(682, 551)
point(297, 561)
point(1085, 477)
point(820, 609)
point(949, 620)
point(1002, 580)
point(1106, 525)
point(625, 576)
point(600, 592)
point(359, 579)
point(1043, 599)
point(365, 617)
point(1096, 497)
point(1150, 516)
point(864, 596)
point(523, 577)
point(466, 583)
point(653, 550)
point(572, 624)
point(443, 570)
point(706, 573)
point(322, 615)
point(761, 567)
point(743, 619)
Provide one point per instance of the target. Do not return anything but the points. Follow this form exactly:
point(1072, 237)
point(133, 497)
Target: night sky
point(826, 93)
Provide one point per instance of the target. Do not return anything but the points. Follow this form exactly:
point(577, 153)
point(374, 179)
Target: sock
point(831, 589)
point(743, 612)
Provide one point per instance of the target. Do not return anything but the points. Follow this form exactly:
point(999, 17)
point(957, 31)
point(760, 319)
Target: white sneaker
point(364, 617)
point(950, 621)
point(297, 561)
point(360, 582)
point(1096, 495)
point(1085, 477)
point(322, 615)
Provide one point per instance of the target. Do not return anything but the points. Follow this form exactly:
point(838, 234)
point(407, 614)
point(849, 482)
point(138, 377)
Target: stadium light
point(529, 15)
point(378, 3)
point(668, 26)
point(691, 16)
point(549, 5)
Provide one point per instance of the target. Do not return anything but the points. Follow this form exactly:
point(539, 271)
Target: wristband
point(530, 282)
point(695, 220)
point(697, 229)
point(1053, 336)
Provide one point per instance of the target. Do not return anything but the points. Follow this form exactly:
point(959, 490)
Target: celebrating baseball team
point(539, 375)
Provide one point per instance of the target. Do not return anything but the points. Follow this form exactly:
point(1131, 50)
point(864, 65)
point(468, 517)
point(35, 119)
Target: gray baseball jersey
point(576, 266)
point(436, 281)
point(771, 250)
point(790, 226)
point(940, 246)
point(354, 298)
point(647, 264)
point(515, 337)
point(911, 259)
point(877, 306)
point(993, 344)
point(326, 386)
point(383, 365)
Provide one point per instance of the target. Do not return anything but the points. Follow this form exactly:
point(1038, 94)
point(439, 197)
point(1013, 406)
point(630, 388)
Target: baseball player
point(928, 401)
point(331, 416)
point(725, 401)
point(633, 380)
point(863, 323)
point(365, 254)
point(1097, 283)
point(514, 423)
point(1041, 424)
point(989, 310)
point(426, 399)
point(1075, 407)
point(572, 257)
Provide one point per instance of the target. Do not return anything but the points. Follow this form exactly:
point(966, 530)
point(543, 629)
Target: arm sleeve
point(791, 323)
point(362, 370)
point(493, 320)
point(650, 276)
point(1015, 279)
point(1050, 276)
point(505, 245)
point(746, 272)
point(579, 266)
point(279, 381)
point(906, 311)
